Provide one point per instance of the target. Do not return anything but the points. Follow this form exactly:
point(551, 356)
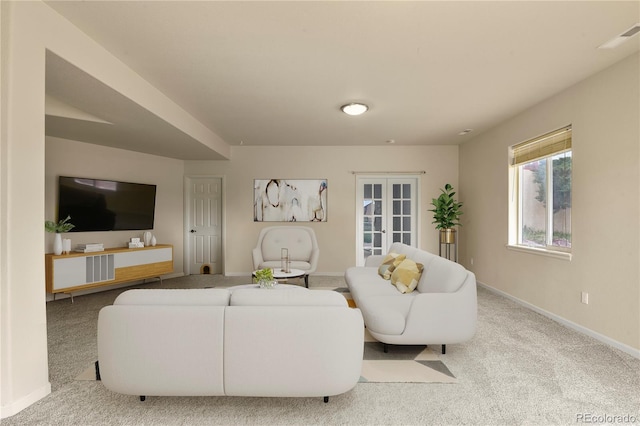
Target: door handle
point(193, 231)
point(383, 231)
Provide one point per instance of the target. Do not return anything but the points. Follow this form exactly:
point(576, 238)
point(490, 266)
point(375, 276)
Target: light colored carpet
point(520, 369)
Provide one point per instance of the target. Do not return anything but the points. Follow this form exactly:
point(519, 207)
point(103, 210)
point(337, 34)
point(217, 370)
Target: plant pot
point(448, 236)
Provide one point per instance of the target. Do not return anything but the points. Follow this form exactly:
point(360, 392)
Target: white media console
point(66, 273)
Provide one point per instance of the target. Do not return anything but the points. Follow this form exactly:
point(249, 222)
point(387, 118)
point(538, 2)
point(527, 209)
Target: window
point(541, 172)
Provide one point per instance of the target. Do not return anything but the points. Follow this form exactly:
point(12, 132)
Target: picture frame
point(290, 200)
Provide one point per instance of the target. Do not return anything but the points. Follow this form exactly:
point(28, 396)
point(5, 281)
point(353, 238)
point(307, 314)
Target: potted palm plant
point(446, 214)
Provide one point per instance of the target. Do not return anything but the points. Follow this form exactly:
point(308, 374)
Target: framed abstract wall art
point(290, 200)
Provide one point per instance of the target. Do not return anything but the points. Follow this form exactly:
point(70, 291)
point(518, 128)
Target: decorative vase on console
point(153, 241)
point(57, 244)
point(59, 228)
point(66, 245)
point(146, 237)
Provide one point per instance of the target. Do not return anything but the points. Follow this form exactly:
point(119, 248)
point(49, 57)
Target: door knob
point(193, 231)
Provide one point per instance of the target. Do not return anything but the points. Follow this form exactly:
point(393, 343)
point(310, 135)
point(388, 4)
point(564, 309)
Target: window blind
point(543, 146)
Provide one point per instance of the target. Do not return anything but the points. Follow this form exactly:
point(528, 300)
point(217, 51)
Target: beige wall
point(604, 111)
point(70, 158)
point(336, 237)
point(28, 30)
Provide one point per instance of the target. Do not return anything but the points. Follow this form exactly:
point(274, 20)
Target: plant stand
point(448, 246)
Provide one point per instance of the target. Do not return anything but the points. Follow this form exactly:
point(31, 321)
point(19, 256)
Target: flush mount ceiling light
point(465, 132)
point(354, 108)
point(618, 40)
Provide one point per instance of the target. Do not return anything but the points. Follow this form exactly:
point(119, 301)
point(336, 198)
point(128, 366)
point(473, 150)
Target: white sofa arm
point(313, 262)
point(257, 258)
point(444, 317)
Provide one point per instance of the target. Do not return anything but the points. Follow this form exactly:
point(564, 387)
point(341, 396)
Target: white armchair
point(300, 241)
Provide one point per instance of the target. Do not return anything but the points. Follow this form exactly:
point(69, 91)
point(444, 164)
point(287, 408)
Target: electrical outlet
point(585, 298)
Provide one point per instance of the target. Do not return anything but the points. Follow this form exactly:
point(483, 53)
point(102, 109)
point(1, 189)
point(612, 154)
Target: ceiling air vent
point(618, 40)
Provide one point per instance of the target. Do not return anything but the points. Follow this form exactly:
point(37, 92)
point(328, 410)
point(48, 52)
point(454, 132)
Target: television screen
point(105, 205)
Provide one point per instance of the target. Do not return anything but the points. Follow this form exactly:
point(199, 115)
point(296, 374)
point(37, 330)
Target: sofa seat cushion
point(288, 297)
point(386, 314)
point(186, 297)
point(365, 281)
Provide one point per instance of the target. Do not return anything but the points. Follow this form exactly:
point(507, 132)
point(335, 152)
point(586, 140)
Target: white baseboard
point(16, 406)
point(567, 323)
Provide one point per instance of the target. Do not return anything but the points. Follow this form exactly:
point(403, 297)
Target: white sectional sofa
point(441, 310)
point(213, 342)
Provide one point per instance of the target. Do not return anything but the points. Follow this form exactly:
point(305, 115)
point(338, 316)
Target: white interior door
point(205, 224)
point(387, 213)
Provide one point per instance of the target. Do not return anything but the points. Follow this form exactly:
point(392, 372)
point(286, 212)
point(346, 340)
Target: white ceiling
point(276, 73)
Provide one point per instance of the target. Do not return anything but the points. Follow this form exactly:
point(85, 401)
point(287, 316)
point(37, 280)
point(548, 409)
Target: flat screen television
point(106, 205)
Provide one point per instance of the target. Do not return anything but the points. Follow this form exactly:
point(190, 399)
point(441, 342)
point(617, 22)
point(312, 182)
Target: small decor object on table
point(285, 262)
point(59, 228)
point(264, 277)
point(89, 247)
point(135, 243)
point(66, 245)
point(153, 241)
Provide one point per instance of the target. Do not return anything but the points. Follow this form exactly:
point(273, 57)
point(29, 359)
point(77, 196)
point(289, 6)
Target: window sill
point(562, 255)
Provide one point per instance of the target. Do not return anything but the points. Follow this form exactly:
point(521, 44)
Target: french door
point(387, 213)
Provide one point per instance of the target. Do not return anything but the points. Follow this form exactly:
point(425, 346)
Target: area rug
point(402, 364)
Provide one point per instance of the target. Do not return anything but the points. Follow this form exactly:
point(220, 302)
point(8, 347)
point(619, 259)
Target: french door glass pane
point(401, 211)
point(397, 207)
point(372, 219)
point(406, 190)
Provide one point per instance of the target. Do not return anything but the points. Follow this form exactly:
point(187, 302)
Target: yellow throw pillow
point(389, 263)
point(406, 275)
